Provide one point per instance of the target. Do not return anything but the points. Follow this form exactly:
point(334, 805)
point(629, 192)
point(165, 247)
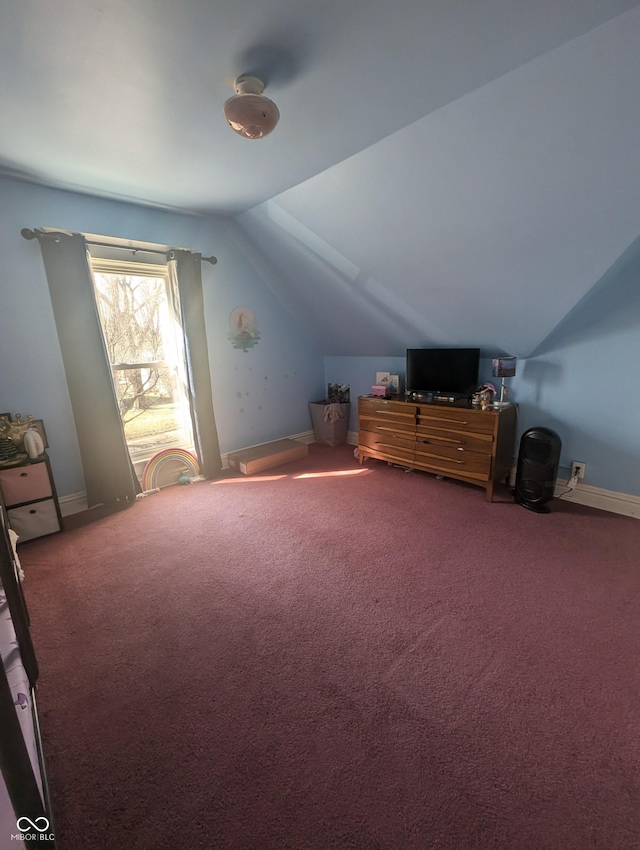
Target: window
point(144, 345)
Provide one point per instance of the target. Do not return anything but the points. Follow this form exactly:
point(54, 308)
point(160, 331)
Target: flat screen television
point(450, 372)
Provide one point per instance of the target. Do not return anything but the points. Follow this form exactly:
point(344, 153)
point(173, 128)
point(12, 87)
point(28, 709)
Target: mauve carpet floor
point(374, 660)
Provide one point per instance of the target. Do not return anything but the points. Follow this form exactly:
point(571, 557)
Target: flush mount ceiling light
point(249, 112)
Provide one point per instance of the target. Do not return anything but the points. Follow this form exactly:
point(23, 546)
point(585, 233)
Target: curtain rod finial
point(27, 234)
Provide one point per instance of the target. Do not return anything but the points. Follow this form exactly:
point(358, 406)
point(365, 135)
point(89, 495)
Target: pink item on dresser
point(381, 390)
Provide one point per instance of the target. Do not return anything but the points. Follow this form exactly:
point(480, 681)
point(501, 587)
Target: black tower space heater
point(537, 469)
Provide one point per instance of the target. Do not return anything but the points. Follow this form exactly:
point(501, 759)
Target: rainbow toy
point(155, 464)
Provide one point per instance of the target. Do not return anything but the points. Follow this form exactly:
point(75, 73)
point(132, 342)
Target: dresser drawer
point(435, 436)
point(465, 464)
point(453, 441)
point(477, 421)
point(389, 426)
point(398, 445)
point(25, 483)
point(383, 410)
point(34, 520)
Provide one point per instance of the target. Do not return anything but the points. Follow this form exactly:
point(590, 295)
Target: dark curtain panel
point(108, 471)
point(205, 434)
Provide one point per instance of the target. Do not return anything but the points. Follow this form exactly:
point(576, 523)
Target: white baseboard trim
point(73, 504)
point(597, 497)
point(302, 437)
point(594, 497)
point(77, 502)
point(584, 494)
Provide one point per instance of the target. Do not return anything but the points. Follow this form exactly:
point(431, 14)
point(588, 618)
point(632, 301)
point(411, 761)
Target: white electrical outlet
point(578, 469)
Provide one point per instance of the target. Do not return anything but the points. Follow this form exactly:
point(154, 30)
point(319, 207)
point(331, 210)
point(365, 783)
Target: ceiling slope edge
point(341, 304)
point(611, 305)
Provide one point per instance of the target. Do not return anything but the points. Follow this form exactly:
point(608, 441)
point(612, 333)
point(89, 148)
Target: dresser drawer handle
point(445, 459)
point(442, 422)
point(33, 511)
point(395, 413)
point(23, 474)
point(436, 440)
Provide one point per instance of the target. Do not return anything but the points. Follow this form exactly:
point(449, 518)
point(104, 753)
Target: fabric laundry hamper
point(330, 422)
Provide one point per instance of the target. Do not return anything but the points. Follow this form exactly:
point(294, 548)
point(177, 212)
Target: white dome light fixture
point(249, 113)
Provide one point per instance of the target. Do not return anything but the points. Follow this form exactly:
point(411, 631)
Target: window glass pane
point(144, 348)
point(135, 315)
point(152, 408)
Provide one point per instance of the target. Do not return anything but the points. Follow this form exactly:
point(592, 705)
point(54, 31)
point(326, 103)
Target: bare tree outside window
point(146, 359)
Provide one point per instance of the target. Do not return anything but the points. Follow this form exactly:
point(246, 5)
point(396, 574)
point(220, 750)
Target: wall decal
point(243, 328)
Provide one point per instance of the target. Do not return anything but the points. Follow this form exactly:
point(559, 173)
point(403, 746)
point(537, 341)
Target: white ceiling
point(123, 97)
point(430, 155)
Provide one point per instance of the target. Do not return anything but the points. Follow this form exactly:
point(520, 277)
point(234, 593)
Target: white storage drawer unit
point(29, 495)
point(25, 483)
point(34, 520)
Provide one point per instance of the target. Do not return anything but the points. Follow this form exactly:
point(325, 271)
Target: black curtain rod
point(26, 233)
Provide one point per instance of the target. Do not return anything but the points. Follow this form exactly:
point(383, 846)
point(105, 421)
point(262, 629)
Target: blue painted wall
point(582, 380)
point(583, 383)
point(260, 395)
point(360, 374)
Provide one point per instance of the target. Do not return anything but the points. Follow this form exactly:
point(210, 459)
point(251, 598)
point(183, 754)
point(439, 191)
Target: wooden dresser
point(454, 440)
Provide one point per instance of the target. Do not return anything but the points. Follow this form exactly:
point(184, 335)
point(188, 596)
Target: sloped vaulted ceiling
point(483, 223)
point(444, 172)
